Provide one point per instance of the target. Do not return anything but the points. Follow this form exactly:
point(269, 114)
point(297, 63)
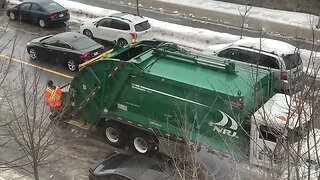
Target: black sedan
point(42, 12)
point(119, 166)
point(68, 48)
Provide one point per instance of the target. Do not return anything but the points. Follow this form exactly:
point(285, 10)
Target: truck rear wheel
point(143, 143)
point(113, 134)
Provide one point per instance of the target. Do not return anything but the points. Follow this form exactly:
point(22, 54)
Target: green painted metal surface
point(160, 86)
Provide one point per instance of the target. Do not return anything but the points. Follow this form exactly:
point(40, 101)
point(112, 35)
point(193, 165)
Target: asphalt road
point(167, 16)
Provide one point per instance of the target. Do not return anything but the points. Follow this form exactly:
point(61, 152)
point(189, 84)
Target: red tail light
point(133, 35)
point(85, 55)
point(283, 75)
point(53, 16)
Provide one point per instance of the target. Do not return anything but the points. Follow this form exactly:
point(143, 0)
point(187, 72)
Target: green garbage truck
point(143, 92)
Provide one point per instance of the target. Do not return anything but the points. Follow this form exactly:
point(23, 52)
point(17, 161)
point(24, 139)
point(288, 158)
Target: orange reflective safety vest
point(53, 96)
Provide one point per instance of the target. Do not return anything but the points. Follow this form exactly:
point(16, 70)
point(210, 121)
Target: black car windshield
point(142, 26)
point(83, 43)
point(52, 6)
point(292, 60)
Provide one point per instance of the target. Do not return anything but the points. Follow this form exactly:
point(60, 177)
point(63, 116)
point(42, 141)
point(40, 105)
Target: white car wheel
point(88, 33)
point(122, 42)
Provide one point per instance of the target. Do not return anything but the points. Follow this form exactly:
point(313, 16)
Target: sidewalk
point(285, 23)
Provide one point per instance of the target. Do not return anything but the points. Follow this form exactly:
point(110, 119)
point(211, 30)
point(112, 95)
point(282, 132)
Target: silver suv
point(282, 58)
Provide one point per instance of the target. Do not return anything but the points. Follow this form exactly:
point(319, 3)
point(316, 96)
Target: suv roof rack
point(118, 17)
point(251, 47)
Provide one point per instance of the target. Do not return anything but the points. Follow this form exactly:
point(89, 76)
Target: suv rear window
point(292, 60)
point(142, 26)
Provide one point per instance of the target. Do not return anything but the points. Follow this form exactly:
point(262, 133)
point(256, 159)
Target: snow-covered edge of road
point(195, 38)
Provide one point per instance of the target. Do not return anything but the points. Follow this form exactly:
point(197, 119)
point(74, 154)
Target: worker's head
point(50, 83)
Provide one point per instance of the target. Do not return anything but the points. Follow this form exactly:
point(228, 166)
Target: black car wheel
point(122, 42)
point(42, 23)
point(33, 54)
point(113, 134)
point(12, 16)
point(88, 33)
point(72, 65)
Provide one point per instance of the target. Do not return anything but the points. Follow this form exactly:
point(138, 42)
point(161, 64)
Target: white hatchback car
point(282, 58)
point(122, 27)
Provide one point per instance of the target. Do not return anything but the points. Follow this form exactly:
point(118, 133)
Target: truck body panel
point(160, 88)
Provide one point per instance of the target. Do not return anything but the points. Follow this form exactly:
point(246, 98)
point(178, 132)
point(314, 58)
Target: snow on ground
point(283, 17)
point(196, 38)
point(6, 174)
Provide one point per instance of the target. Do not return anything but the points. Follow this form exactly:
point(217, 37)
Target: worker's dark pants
point(55, 112)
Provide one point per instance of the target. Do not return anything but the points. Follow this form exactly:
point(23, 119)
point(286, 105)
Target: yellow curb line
point(39, 67)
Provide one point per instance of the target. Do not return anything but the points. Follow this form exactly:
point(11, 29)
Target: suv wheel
point(88, 33)
point(122, 42)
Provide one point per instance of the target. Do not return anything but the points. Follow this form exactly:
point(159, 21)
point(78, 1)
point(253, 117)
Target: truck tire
point(143, 143)
point(113, 134)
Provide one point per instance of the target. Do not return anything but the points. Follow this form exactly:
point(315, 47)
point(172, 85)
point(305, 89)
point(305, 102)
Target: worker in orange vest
point(52, 96)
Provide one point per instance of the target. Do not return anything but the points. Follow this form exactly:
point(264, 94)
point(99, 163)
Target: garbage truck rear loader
point(154, 89)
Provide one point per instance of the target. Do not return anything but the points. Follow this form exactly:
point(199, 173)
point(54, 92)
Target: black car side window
point(50, 41)
point(62, 44)
point(24, 6)
point(36, 7)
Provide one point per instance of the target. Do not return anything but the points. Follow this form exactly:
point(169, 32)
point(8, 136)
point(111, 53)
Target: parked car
point(68, 48)
point(42, 12)
point(121, 27)
point(282, 58)
point(119, 166)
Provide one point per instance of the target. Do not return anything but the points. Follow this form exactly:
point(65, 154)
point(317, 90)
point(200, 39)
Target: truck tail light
point(53, 16)
point(84, 56)
point(283, 75)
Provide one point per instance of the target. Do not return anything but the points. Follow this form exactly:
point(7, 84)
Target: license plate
point(96, 53)
point(61, 15)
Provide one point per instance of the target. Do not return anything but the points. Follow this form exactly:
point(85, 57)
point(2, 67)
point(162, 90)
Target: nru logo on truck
point(220, 126)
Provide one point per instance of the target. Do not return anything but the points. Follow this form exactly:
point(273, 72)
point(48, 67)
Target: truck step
point(80, 124)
